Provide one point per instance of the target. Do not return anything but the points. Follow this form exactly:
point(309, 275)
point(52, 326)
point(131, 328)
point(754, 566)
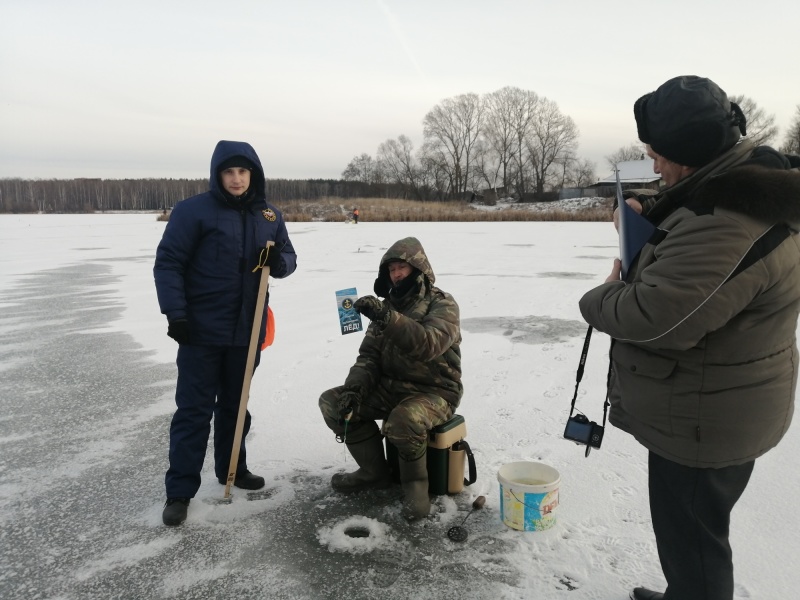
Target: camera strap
point(579, 376)
point(581, 364)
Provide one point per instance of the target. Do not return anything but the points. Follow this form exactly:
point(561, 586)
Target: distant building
point(632, 174)
point(490, 196)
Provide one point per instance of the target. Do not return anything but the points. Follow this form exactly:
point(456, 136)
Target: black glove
point(374, 309)
point(178, 330)
point(273, 258)
point(348, 402)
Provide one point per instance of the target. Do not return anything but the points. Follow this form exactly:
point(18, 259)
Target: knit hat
point(689, 120)
point(231, 163)
point(237, 161)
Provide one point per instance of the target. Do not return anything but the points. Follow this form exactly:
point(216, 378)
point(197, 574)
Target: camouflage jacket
point(418, 350)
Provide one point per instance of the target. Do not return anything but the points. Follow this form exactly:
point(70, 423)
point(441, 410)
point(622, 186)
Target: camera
point(582, 431)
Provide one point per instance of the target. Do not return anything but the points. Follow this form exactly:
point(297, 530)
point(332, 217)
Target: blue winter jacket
point(205, 260)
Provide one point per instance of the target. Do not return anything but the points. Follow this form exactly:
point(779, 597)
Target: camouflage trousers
point(407, 418)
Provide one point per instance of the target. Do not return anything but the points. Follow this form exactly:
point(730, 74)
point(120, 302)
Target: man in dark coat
point(408, 374)
point(704, 356)
point(207, 283)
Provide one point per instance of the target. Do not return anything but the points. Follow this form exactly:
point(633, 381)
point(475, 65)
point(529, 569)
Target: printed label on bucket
point(528, 511)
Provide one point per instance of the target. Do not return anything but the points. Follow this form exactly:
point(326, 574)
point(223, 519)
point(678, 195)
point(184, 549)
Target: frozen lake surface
point(86, 383)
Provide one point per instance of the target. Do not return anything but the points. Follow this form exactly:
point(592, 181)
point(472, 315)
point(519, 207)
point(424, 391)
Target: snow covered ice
point(87, 380)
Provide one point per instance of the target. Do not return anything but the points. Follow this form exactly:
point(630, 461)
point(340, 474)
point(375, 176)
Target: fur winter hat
point(689, 120)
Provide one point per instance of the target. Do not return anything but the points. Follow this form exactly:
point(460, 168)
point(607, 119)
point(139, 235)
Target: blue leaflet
point(349, 318)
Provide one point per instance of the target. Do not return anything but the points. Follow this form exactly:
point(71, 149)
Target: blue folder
point(634, 232)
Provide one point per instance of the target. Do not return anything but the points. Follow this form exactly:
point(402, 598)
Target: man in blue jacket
point(207, 285)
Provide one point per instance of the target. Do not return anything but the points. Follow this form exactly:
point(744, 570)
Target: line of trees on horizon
point(513, 141)
point(91, 195)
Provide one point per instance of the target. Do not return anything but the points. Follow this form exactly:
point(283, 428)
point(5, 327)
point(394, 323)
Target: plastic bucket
point(528, 495)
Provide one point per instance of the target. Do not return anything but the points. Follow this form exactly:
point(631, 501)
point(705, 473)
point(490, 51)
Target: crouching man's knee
point(329, 407)
point(407, 433)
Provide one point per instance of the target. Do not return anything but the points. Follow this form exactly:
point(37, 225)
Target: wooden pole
point(263, 286)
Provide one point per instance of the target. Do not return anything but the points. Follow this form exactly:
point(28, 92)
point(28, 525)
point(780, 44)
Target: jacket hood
point(757, 181)
point(765, 187)
point(410, 250)
point(226, 150)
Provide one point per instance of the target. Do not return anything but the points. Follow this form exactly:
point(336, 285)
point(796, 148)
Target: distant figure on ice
point(355, 216)
point(704, 356)
point(207, 289)
point(408, 374)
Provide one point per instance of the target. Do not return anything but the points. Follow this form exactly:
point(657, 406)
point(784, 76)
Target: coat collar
point(758, 182)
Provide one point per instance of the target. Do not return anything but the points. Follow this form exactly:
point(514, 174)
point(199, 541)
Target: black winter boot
point(641, 593)
point(414, 479)
point(175, 511)
point(246, 481)
point(373, 471)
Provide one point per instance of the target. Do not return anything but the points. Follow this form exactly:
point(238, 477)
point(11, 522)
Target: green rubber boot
point(414, 479)
point(373, 471)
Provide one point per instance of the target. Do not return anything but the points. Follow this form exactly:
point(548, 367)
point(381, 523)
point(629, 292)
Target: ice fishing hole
point(357, 532)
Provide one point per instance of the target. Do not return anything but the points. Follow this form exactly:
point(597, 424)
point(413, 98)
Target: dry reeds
point(397, 211)
point(394, 210)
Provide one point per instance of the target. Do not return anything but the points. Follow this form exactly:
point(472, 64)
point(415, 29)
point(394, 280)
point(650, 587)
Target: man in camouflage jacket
point(407, 374)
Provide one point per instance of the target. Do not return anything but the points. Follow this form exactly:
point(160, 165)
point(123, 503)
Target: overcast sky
point(145, 89)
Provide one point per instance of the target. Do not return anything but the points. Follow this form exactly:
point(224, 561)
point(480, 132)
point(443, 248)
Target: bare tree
point(485, 168)
point(509, 112)
point(634, 151)
point(791, 143)
point(435, 176)
point(525, 110)
point(451, 131)
point(553, 139)
point(361, 168)
point(397, 162)
point(100, 196)
point(579, 173)
point(34, 196)
point(761, 128)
